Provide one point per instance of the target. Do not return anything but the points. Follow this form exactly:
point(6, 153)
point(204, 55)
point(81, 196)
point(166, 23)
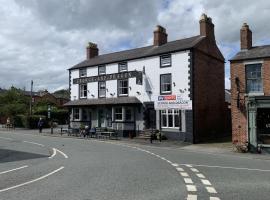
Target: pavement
point(43, 166)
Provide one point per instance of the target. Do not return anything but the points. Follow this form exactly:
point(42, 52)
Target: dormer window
point(83, 73)
point(122, 67)
point(165, 60)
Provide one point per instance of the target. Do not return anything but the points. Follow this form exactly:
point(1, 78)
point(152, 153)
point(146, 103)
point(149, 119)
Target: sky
point(40, 39)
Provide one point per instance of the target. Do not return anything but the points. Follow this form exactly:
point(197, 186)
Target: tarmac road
point(37, 167)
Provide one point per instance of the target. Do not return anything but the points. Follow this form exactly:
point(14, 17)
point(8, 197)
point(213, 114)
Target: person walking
point(40, 125)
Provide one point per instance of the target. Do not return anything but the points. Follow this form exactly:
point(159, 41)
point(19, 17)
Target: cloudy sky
point(40, 39)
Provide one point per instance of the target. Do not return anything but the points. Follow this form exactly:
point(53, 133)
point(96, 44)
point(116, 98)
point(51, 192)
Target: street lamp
point(49, 117)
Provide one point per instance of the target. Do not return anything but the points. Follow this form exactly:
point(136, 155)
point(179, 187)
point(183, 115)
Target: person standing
point(40, 125)
point(8, 123)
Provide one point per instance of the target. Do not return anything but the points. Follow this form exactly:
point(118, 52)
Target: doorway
point(263, 125)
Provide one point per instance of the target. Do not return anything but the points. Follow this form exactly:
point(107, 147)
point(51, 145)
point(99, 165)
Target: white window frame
point(82, 73)
point(76, 115)
point(120, 87)
point(166, 60)
point(83, 91)
point(173, 113)
point(100, 71)
point(123, 67)
point(254, 79)
point(161, 84)
point(118, 113)
point(100, 91)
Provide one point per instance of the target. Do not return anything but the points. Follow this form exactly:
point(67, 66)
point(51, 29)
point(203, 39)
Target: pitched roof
point(103, 101)
point(148, 51)
point(253, 53)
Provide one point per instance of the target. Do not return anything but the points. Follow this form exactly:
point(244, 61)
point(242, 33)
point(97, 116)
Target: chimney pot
point(91, 50)
point(245, 37)
point(160, 36)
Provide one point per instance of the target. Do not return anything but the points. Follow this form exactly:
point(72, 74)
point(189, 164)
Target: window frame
point(122, 63)
point(261, 78)
point(80, 89)
point(131, 114)
point(160, 85)
point(162, 57)
point(80, 72)
point(173, 114)
point(74, 114)
point(99, 83)
point(118, 113)
point(101, 66)
point(118, 88)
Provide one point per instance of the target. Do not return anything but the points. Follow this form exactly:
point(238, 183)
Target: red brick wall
point(239, 113)
point(209, 92)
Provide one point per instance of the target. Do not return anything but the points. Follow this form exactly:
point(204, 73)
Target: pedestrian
point(40, 124)
point(151, 138)
point(8, 123)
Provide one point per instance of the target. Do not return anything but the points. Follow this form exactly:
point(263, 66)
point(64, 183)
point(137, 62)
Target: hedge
point(27, 121)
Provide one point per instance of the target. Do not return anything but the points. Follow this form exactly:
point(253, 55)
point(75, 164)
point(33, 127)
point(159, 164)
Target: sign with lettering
point(107, 77)
point(172, 102)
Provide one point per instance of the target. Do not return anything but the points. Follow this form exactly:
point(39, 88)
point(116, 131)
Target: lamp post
point(49, 117)
point(31, 96)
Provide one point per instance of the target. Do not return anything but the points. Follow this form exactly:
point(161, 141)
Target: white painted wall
point(151, 80)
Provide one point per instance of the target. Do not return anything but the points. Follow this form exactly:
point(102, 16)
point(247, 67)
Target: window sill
point(254, 94)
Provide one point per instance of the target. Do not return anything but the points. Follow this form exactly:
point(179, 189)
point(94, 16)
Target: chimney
point(207, 27)
point(91, 50)
point(246, 37)
point(160, 36)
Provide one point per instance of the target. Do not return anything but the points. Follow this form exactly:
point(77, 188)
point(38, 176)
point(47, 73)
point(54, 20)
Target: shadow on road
point(7, 155)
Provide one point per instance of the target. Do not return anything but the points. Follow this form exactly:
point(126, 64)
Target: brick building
point(250, 93)
point(176, 87)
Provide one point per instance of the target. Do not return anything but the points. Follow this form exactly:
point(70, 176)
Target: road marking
point(188, 180)
point(184, 174)
point(175, 164)
point(214, 198)
point(62, 153)
point(5, 138)
point(34, 143)
point(211, 190)
point(191, 188)
point(32, 181)
point(200, 175)
point(194, 170)
point(205, 182)
point(191, 197)
point(188, 165)
point(179, 169)
point(11, 170)
point(54, 153)
point(228, 167)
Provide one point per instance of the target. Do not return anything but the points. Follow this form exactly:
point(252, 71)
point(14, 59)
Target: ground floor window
point(118, 114)
point(129, 114)
point(171, 118)
point(76, 113)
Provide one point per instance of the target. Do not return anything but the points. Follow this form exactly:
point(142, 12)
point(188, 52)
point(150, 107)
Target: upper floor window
point(254, 78)
point(123, 87)
point(83, 90)
point(165, 83)
point(101, 70)
point(102, 89)
point(165, 60)
point(83, 73)
point(122, 67)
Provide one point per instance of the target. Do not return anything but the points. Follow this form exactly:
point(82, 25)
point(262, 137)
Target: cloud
point(40, 40)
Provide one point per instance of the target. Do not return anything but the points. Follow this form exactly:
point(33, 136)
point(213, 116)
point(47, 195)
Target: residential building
point(250, 93)
point(176, 87)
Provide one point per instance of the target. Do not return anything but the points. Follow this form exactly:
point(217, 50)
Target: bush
point(59, 116)
point(27, 121)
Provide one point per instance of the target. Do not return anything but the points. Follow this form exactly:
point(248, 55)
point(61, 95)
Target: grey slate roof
point(253, 53)
point(103, 101)
point(152, 50)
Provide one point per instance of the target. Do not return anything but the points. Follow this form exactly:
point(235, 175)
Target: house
point(250, 94)
point(176, 87)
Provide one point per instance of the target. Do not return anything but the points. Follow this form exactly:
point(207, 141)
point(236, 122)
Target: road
point(39, 167)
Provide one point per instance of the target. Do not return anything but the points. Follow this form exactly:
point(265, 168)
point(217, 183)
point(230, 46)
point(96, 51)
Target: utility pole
point(31, 96)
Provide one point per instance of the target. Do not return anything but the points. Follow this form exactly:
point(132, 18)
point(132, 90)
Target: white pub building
point(176, 87)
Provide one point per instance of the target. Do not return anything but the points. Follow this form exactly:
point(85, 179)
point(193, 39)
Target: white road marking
point(205, 182)
point(236, 168)
point(32, 181)
point(11, 170)
point(184, 174)
point(5, 138)
point(214, 198)
point(62, 153)
point(175, 164)
point(211, 190)
point(34, 143)
point(191, 188)
point(191, 197)
point(188, 165)
point(54, 153)
point(169, 161)
point(188, 181)
point(194, 170)
point(200, 175)
point(179, 169)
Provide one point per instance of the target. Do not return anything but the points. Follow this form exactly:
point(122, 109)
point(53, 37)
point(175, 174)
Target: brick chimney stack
point(160, 36)
point(246, 37)
point(207, 27)
point(91, 50)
